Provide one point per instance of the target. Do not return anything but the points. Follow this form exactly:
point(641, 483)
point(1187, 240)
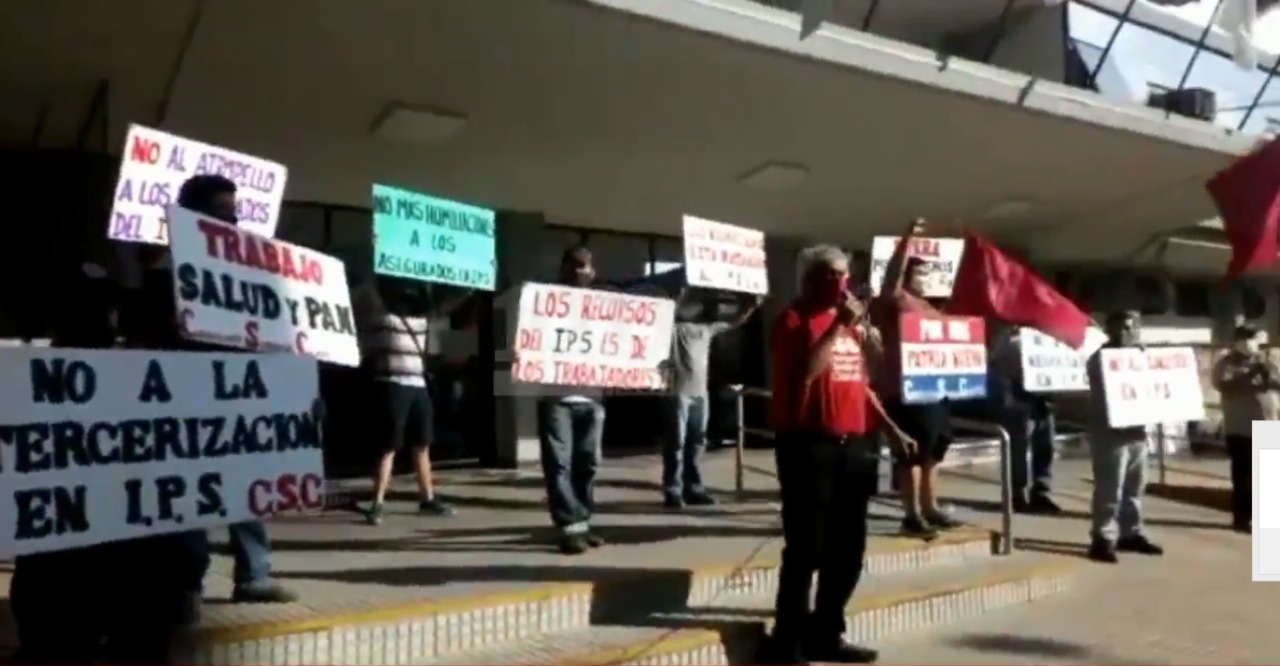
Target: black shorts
point(929, 425)
point(408, 417)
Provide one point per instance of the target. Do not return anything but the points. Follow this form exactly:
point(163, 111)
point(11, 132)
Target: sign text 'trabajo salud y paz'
point(103, 445)
point(238, 289)
point(424, 238)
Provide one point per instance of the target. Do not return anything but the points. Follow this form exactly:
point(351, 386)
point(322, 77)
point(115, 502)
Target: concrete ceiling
point(596, 117)
point(923, 22)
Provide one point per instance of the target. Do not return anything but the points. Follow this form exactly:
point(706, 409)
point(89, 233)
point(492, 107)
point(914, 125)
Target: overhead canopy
point(602, 118)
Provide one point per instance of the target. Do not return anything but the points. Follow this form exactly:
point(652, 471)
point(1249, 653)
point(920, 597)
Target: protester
point(687, 408)
point(394, 345)
point(1248, 382)
point(65, 603)
point(928, 424)
point(569, 431)
point(825, 416)
point(1029, 420)
point(1119, 457)
point(155, 325)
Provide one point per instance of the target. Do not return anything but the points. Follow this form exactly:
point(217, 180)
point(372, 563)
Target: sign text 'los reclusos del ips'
point(104, 445)
point(584, 337)
point(424, 238)
point(238, 289)
point(1150, 386)
point(156, 164)
point(943, 357)
point(723, 256)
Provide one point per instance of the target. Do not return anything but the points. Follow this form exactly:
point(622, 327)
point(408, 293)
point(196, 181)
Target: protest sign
point(583, 337)
point(941, 256)
point(1155, 385)
point(722, 256)
point(238, 289)
point(421, 237)
point(103, 445)
point(155, 165)
point(1050, 366)
point(943, 358)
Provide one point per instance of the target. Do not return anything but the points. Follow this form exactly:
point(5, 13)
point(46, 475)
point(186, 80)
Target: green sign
point(421, 237)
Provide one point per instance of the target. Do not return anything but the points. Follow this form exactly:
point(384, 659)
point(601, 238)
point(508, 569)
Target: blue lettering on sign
point(424, 238)
point(926, 389)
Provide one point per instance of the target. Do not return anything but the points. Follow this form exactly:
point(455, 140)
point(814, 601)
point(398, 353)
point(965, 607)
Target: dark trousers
point(826, 485)
point(1240, 450)
point(569, 435)
point(1031, 426)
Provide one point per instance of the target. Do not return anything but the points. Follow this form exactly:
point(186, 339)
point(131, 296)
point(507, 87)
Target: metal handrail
point(1006, 459)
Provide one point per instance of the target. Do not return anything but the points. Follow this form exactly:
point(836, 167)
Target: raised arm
point(893, 273)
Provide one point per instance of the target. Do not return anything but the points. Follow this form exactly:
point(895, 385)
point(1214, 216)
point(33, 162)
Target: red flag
point(1247, 195)
point(991, 284)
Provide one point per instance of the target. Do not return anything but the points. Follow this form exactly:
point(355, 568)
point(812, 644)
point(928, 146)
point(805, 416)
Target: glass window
point(302, 224)
point(352, 242)
point(618, 256)
point(1235, 89)
point(1252, 303)
point(1191, 299)
point(668, 252)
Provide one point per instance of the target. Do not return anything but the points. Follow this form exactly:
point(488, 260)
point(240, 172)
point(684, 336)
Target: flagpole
point(1204, 37)
point(1111, 41)
point(1262, 89)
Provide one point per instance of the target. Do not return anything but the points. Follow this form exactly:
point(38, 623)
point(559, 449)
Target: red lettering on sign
point(144, 150)
point(286, 493)
point(554, 304)
point(223, 241)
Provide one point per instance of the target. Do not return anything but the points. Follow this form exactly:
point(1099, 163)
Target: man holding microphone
point(825, 417)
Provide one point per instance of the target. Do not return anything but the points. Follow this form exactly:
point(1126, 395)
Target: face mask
point(828, 291)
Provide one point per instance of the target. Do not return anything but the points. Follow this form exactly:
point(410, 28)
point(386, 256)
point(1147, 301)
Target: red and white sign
point(156, 164)
point(1155, 385)
point(941, 257)
point(238, 289)
point(943, 357)
point(722, 256)
point(107, 445)
point(584, 337)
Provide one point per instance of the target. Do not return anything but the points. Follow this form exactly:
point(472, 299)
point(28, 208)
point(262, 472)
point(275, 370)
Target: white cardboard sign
point(1049, 366)
point(723, 256)
point(942, 256)
point(154, 166)
point(585, 337)
point(104, 445)
point(1155, 385)
point(238, 289)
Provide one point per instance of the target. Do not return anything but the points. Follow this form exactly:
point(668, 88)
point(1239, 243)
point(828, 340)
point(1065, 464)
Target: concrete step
point(729, 630)
point(437, 629)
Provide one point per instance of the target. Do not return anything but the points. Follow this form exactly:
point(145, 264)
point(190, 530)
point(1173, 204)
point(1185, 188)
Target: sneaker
point(672, 503)
point(1042, 505)
point(435, 507)
point(1138, 544)
point(263, 592)
point(373, 514)
point(916, 526)
point(841, 652)
point(699, 499)
point(1020, 504)
point(1103, 551)
point(574, 544)
point(941, 520)
point(593, 539)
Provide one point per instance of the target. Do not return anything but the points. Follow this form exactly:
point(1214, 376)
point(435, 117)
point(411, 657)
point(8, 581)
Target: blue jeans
point(686, 438)
point(569, 437)
point(251, 550)
point(1031, 426)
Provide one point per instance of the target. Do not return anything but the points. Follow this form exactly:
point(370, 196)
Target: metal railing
point(1006, 469)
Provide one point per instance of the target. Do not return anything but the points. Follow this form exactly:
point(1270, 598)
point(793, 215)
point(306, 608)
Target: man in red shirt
point(825, 417)
point(928, 424)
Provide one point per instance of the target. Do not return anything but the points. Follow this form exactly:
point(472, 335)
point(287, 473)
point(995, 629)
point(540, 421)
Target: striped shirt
point(394, 346)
